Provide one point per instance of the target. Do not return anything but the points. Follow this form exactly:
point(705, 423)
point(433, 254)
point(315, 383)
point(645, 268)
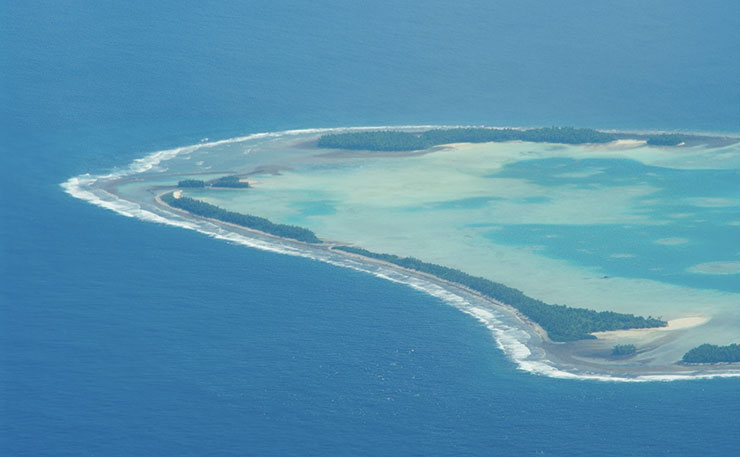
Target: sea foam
point(511, 338)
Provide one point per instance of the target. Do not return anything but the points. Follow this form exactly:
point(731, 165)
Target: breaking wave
point(508, 331)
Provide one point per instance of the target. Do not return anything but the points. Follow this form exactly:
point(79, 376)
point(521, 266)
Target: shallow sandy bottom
point(439, 206)
point(673, 325)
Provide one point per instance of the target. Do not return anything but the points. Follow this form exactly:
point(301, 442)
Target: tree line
point(624, 349)
point(666, 139)
point(710, 353)
point(395, 140)
point(201, 208)
point(227, 181)
point(562, 323)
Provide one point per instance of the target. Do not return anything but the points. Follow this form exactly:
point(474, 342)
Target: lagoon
point(621, 226)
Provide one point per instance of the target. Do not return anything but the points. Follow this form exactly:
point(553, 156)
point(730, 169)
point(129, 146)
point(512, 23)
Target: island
point(666, 139)
point(710, 353)
point(191, 183)
point(398, 140)
point(203, 209)
point(562, 323)
point(232, 182)
point(395, 140)
point(464, 214)
point(622, 350)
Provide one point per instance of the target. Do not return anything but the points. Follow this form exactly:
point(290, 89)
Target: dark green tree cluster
point(394, 140)
point(666, 139)
point(709, 353)
point(624, 349)
point(229, 181)
point(226, 181)
point(386, 140)
point(191, 183)
point(562, 323)
point(201, 208)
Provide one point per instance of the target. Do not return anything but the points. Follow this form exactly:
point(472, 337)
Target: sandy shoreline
point(673, 324)
point(585, 359)
point(572, 359)
point(329, 246)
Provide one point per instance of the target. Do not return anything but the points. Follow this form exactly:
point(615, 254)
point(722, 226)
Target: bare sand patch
point(673, 324)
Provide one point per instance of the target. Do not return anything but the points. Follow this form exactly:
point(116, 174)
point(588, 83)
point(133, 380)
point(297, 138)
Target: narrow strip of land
point(562, 323)
point(203, 209)
point(398, 140)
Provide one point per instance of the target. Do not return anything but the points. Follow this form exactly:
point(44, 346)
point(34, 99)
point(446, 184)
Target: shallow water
point(121, 337)
point(589, 226)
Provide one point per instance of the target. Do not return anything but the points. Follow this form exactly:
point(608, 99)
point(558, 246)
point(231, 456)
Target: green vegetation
point(191, 183)
point(562, 323)
point(394, 140)
point(666, 139)
point(709, 353)
point(230, 181)
point(624, 349)
point(226, 181)
point(201, 208)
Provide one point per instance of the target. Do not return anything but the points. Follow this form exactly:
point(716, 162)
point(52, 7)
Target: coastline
point(533, 351)
point(673, 325)
point(561, 360)
point(329, 247)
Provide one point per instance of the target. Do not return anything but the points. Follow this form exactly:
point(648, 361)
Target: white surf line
point(508, 338)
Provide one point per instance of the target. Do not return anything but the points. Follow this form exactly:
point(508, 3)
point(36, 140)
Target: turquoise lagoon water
point(677, 220)
point(122, 337)
point(693, 219)
point(602, 227)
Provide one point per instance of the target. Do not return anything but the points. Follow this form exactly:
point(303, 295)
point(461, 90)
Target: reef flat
point(609, 226)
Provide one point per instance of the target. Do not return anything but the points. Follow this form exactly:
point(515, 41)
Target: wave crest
point(510, 338)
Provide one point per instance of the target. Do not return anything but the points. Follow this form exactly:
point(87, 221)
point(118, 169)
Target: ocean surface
point(603, 202)
point(122, 337)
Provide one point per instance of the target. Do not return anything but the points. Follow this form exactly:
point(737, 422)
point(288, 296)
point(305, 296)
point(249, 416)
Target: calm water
point(691, 219)
point(119, 337)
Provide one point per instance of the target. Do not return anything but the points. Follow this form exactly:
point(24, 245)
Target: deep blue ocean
point(120, 337)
